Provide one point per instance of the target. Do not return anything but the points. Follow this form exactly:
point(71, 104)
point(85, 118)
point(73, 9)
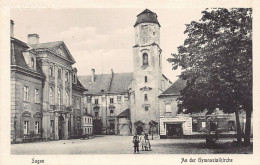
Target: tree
point(216, 59)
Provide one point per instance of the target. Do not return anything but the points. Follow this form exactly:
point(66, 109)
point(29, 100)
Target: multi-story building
point(43, 87)
point(128, 103)
point(175, 123)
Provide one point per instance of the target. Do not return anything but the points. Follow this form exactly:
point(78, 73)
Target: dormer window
point(145, 59)
point(32, 62)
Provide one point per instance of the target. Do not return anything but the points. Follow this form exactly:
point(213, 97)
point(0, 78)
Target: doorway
point(60, 127)
point(139, 130)
point(174, 129)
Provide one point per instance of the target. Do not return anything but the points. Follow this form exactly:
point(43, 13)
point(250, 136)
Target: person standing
point(136, 144)
point(142, 139)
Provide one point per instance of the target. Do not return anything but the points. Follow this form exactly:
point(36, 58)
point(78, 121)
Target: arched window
point(145, 59)
point(51, 95)
point(59, 97)
point(67, 98)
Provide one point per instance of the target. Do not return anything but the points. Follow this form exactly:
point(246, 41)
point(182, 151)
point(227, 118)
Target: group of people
point(145, 143)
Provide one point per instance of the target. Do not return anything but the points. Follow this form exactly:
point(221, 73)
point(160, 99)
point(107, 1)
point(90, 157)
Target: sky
point(103, 38)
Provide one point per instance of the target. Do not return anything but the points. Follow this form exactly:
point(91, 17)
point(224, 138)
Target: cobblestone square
point(123, 145)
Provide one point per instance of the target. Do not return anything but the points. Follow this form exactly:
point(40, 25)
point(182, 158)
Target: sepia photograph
point(116, 99)
point(131, 82)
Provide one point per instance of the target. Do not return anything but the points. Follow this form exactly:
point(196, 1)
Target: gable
point(63, 51)
point(57, 47)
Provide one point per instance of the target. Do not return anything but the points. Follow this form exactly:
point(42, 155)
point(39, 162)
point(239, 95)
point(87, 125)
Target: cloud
point(102, 51)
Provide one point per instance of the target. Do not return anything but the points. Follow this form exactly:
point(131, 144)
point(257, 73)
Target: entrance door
point(174, 129)
point(60, 127)
point(139, 130)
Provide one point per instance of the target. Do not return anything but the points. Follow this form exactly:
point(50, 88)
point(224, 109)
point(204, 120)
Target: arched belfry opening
point(145, 59)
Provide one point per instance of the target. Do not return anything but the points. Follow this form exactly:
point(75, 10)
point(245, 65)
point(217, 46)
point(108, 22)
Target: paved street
point(123, 145)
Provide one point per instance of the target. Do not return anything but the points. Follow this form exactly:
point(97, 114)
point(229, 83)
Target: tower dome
point(147, 16)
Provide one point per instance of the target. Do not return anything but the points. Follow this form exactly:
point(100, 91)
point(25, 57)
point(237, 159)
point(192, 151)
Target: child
point(147, 143)
point(136, 144)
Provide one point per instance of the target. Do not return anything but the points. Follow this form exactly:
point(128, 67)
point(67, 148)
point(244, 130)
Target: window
point(112, 125)
point(85, 130)
point(168, 108)
point(231, 125)
point(153, 33)
point(213, 126)
point(51, 95)
point(52, 126)
point(78, 126)
point(145, 59)
point(90, 120)
point(26, 127)
point(145, 97)
point(111, 112)
point(67, 98)
point(37, 127)
point(51, 71)
point(119, 98)
point(203, 124)
point(146, 108)
point(96, 114)
point(74, 78)
point(78, 103)
point(32, 62)
point(59, 74)
point(85, 120)
point(67, 77)
point(96, 101)
point(59, 97)
point(111, 100)
point(37, 96)
point(25, 93)
point(194, 127)
point(145, 79)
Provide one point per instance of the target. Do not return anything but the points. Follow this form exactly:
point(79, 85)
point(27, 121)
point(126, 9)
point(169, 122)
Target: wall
point(19, 106)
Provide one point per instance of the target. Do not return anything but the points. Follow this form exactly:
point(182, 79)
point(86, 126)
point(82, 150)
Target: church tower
point(147, 74)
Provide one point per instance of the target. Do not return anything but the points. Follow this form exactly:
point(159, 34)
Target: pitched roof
point(46, 45)
point(121, 82)
point(17, 58)
point(125, 113)
point(147, 16)
point(79, 86)
point(118, 83)
point(101, 83)
point(175, 88)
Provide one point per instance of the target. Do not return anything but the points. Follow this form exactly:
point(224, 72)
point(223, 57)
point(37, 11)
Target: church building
point(128, 103)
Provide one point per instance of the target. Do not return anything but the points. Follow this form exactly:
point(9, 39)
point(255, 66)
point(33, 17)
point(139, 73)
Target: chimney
point(33, 39)
point(11, 28)
point(93, 75)
point(112, 73)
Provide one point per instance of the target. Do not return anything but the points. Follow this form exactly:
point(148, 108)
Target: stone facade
point(46, 96)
